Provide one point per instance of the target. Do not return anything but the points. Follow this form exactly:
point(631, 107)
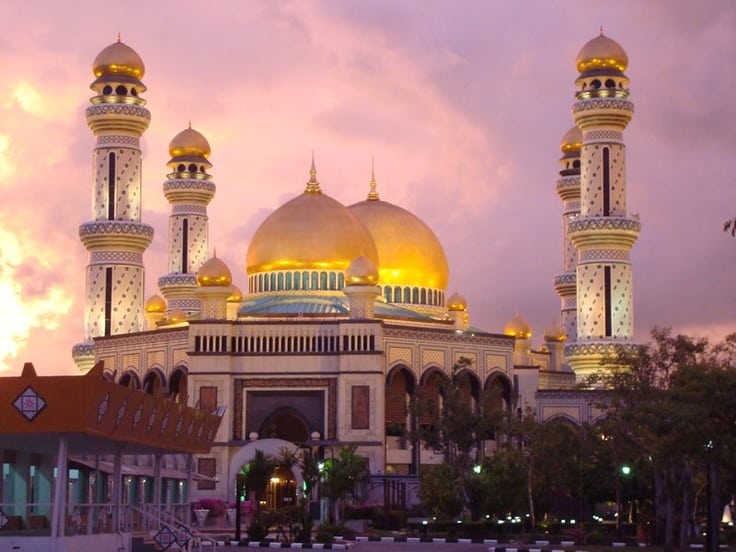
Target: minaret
point(115, 238)
point(603, 234)
point(189, 190)
point(568, 188)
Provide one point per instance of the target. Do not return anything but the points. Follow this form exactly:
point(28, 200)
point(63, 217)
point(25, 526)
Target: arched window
point(387, 293)
point(424, 297)
point(340, 280)
point(397, 294)
point(305, 280)
point(322, 280)
point(288, 281)
point(273, 281)
point(315, 281)
point(280, 286)
point(333, 281)
point(407, 295)
point(415, 296)
point(297, 281)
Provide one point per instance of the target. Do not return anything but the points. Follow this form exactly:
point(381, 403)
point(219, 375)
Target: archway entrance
point(287, 424)
point(281, 490)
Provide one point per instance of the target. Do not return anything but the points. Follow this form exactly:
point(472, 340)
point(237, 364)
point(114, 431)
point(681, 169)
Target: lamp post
point(239, 493)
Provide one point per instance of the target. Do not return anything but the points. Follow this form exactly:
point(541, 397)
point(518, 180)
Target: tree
point(258, 474)
point(440, 491)
point(730, 225)
point(343, 478)
point(660, 403)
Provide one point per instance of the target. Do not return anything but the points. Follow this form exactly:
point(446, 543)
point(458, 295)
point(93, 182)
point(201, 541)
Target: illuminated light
point(275, 480)
point(476, 469)
point(625, 470)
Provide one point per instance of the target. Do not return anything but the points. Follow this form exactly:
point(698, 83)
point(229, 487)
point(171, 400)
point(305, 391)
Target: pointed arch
point(130, 379)
point(154, 382)
point(178, 382)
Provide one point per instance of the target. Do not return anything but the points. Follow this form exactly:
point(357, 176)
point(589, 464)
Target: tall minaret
point(189, 190)
point(568, 188)
point(603, 234)
point(115, 238)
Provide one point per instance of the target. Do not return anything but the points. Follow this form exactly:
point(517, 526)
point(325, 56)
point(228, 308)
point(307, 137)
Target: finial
point(214, 255)
point(373, 193)
point(119, 39)
point(313, 185)
point(190, 124)
point(601, 30)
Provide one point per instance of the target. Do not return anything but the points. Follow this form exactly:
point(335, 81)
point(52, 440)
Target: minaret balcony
point(110, 118)
point(593, 113)
point(568, 187)
point(177, 280)
point(115, 234)
point(566, 284)
point(188, 190)
point(603, 232)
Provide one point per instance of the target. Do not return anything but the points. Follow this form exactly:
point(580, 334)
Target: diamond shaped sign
point(29, 403)
point(3, 519)
point(183, 535)
point(165, 537)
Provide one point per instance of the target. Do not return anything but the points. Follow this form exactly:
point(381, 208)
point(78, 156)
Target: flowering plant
point(216, 506)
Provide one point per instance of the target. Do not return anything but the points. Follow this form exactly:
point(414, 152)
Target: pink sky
point(463, 104)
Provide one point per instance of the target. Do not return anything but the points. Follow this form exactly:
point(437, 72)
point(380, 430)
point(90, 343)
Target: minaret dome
point(214, 273)
point(119, 63)
point(601, 54)
point(189, 144)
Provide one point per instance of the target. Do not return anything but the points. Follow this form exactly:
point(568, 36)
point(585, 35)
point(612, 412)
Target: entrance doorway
point(281, 490)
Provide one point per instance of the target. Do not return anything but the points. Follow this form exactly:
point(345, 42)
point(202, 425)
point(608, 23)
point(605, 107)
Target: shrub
point(326, 532)
point(216, 506)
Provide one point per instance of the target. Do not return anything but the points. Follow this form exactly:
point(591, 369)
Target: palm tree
point(343, 478)
point(257, 475)
point(730, 226)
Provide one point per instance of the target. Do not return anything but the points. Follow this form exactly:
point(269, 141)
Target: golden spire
point(601, 30)
point(119, 38)
point(373, 193)
point(313, 185)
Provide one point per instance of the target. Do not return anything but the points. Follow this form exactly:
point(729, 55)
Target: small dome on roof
point(457, 302)
point(602, 53)
point(572, 141)
point(214, 272)
point(155, 304)
point(555, 333)
point(518, 328)
point(177, 315)
point(118, 59)
point(236, 296)
point(361, 272)
point(189, 143)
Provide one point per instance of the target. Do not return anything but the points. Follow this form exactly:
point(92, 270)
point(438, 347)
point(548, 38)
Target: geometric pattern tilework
point(399, 354)
point(604, 255)
point(127, 300)
point(155, 358)
point(29, 403)
point(127, 184)
point(433, 357)
point(473, 357)
point(496, 362)
point(131, 361)
point(116, 257)
point(197, 246)
point(109, 362)
point(591, 301)
point(603, 136)
point(179, 357)
point(592, 180)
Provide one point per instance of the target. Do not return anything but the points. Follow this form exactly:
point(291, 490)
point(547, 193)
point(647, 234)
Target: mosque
point(346, 315)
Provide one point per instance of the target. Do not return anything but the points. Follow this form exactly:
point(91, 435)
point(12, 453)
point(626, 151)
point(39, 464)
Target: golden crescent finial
point(601, 30)
point(373, 193)
point(313, 185)
point(119, 39)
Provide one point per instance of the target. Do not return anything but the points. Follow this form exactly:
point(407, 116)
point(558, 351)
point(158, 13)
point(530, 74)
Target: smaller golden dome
point(119, 60)
point(214, 272)
point(457, 302)
point(555, 333)
point(236, 296)
point(518, 327)
point(572, 141)
point(177, 315)
point(602, 53)
point(189, 143)
point(361, 272)
point(155, 305)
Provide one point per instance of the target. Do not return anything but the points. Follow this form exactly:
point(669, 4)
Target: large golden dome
point(409, 253)
point(189, 143)
point(601, 53)
point(312, 231)
point(120, 60)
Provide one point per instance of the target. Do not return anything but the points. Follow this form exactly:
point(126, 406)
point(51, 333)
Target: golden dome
point(189, 143)
point(118, 60)
point(555, 333)
point(177, 315)
point(236, 296)
point(572, 141)
point(457, 302)
point(214, 272)
point(409, 253)
point(602, 53)
point(155, 304)
point(361, 272)
point(311, 231)
point(518, 327)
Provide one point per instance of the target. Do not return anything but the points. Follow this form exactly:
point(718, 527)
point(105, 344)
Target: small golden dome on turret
point(189, 143)
point(155, 305)
point(555, 333)
point(236, 296)
point(602, 53)
point(214, 272)
point(118, 59)
point(572, 141)
point(457, 302)
point(518, 327)
point(361, 272)
point(177, 315)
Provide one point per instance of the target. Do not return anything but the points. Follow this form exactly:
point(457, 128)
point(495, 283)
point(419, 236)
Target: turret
point(189, 189)
point(115, 237)
point(214, 279)
point(603, 234)
point(361, 288)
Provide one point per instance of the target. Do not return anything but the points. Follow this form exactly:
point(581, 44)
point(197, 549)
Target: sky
point(461, 103)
